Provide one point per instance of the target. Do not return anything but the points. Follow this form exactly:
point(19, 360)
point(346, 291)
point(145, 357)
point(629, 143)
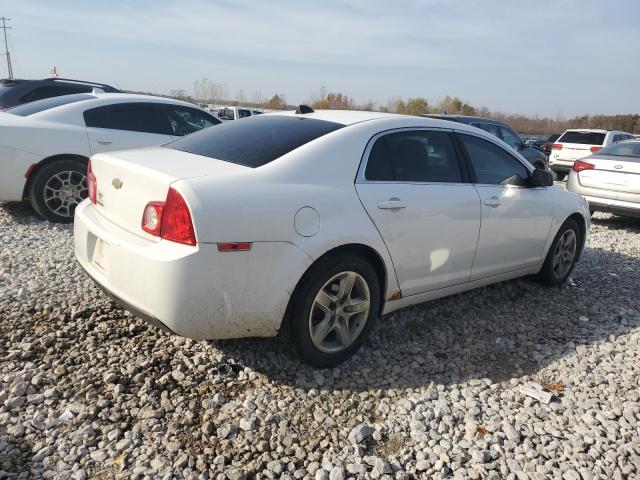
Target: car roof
point(462, 118)
point(345, 117)
point(595, 130)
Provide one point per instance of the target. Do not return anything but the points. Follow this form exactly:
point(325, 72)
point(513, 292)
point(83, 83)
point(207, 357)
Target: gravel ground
point(87, 391)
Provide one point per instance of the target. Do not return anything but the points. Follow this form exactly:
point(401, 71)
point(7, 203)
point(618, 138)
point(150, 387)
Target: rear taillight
point(92, 184)
point(595, 148)
point(170, 220)
point(556, 146)
point(579, 166)
point(152, 218)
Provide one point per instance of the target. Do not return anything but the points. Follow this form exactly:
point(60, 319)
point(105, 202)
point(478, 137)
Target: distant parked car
point(15, 92)
point(45, 145)
point(503, 132)
point(535, 143)
point(610, 179)
point(258, 226)
point(575, 144)
point(235, 113)
point(546, 147)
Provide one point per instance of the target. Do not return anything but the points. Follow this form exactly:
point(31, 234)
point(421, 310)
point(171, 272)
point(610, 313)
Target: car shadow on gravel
point(498, 332)
point(16, 456)
point(626, 224)
point(21, 212)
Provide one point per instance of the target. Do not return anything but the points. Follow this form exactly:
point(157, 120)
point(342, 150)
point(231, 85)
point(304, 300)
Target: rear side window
point(244, 113)
point(41, 105)
point(415, 156)
point(492, 164)
point(492, 128)
point(585, 138)
point(255, 141)
point(132, 117)
point(631, 150)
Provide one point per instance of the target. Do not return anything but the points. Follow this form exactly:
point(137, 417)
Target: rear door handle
point(391, 204)
point(104, 142)
point(493, 202)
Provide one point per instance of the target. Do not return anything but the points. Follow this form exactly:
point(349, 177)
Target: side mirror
point(540, 178)
point(521, 146)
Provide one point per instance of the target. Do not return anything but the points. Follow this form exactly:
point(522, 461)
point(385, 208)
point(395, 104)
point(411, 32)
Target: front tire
point(57, 188)
point(562, 255)
point(334, 309)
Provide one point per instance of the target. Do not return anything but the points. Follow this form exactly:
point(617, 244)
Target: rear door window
point(492, 128)
point(414, 156)
point(244, 113)
point(133, 117)
point(585, 138)
point(493, 165)
point(255, 141)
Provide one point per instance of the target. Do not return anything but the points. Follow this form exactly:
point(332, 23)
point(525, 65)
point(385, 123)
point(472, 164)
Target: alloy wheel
point(64, 191)
point(564, 253)
point(339, 312)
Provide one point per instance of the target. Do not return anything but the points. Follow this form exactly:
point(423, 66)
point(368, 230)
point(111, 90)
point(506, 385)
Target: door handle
point(392, 204)
point(104, 142)
point(493, 202)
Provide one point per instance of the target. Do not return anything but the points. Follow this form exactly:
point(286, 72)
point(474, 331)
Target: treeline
point(207, 91)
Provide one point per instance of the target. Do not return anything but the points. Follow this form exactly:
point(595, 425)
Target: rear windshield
point(38, 106)
point(587, 138)
point(625, 149)
point(256, 140)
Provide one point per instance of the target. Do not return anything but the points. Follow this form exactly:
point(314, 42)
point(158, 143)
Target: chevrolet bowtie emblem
point(117, 183)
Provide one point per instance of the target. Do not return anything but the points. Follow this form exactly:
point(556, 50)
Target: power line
point(6, 46)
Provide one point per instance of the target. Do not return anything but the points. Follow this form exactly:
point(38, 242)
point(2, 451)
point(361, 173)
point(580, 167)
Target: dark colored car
point(15, 92)
point(546, 148)
point(503, 132)
point(535, 143)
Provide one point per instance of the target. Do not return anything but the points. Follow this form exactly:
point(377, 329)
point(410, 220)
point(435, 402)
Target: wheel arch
point(46, 161)
point(582, 225)
point(365, 251)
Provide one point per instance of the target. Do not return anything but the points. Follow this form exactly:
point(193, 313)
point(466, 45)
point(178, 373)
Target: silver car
point(610, 179)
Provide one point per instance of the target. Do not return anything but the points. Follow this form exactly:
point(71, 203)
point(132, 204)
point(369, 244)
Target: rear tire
point(562, 255)
point(57, 188)
point(333, 309)
point(558, 176)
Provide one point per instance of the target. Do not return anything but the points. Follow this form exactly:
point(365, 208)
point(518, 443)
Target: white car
point(575, 144)
point(316, 223)
point(45, 145)
point(236, 113)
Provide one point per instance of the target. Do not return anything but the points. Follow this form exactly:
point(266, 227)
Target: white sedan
point(316, 223)
point(45, 145)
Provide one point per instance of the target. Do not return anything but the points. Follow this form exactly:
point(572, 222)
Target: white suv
point(575, 144)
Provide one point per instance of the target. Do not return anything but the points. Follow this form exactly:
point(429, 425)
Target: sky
point(550, 58)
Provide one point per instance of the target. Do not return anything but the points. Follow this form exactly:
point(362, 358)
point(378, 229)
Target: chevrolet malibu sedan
point(314, 224)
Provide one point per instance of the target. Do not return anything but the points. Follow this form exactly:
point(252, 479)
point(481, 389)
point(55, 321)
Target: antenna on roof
point(302, 109)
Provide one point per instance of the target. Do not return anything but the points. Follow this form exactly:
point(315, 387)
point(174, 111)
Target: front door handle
point(392, 204)
point(493, 202)
point(104, 142)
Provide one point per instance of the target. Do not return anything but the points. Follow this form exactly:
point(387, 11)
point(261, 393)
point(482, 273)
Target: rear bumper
point(196, 292)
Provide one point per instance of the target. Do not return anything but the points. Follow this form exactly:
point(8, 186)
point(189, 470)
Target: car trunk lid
point(612, 173)
point(128, 180)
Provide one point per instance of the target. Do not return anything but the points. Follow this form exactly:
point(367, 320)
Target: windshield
point(256, 140)
point(38, 106)
point(630, 149)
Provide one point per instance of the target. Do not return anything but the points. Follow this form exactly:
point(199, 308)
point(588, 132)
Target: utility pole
point(6, 46)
